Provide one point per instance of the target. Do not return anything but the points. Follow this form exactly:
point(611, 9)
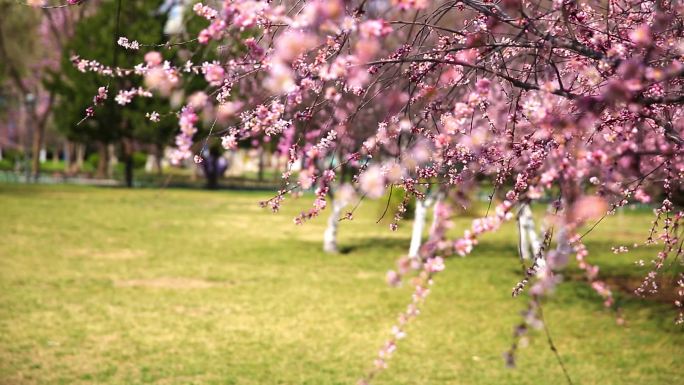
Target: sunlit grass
point(188, 287)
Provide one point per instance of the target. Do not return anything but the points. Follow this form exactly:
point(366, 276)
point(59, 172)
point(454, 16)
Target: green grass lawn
point(186, 287)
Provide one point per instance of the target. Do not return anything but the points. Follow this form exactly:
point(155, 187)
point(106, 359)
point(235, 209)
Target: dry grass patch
point(170, 283)
point(116, 254)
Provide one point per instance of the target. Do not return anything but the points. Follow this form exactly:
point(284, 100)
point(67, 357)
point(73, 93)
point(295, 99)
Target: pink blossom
point(198, 100)
point(372, 182)
point(589, 207)
point(205, 11)
point(463, 246)
point(290, 45)
point(411, 4)
point(229, 142)
point(213, 73)
point(641, 35)
point(374, 28)
point(434, 265)
point(187, 122)
point(393, 278)
point(228, 110)
point(281, 78)
point(153, 58)
point(642, 196)
point(161, 80)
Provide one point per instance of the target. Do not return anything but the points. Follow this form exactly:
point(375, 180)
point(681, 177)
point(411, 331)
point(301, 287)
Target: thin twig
point(552, 345)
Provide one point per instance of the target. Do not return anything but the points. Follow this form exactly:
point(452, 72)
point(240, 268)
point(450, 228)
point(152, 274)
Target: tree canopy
point(574, 105)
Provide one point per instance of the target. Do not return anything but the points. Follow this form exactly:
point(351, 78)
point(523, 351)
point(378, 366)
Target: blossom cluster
point(187, 120)
point(128, 44)
point(126, 96)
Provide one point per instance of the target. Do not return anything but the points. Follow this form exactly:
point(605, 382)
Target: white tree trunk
point(419, 221)
point(113, 160)
point(80, 157)
point(529, 240)
point(435, 201)
point(330, 235)
point(150, 163)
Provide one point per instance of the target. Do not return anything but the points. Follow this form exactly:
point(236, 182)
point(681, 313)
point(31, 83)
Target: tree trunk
point(39, 124)
point(102, 160)
point(24, 141)
point(67, 156)
point(529, 240)
point(129, 171)
point(80, 157)
point(111, 160)
point(158, 156)
point(419, 221)
point(330, 234)
point(22, 125)
point(558, 259)
point(128, 161)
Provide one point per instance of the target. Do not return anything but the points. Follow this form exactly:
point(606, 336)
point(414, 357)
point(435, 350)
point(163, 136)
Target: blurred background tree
point(30, 40)
point(95, 39)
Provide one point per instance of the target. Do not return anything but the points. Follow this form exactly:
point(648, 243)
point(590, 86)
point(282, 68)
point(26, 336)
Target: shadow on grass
point(662, 314)
point(394, 245)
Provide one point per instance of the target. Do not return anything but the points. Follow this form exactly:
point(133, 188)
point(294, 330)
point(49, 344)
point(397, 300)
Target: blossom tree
point(27, 66)
point(574, 104)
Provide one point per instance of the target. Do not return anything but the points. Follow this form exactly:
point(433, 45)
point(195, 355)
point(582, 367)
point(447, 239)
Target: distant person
point(214, 166)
